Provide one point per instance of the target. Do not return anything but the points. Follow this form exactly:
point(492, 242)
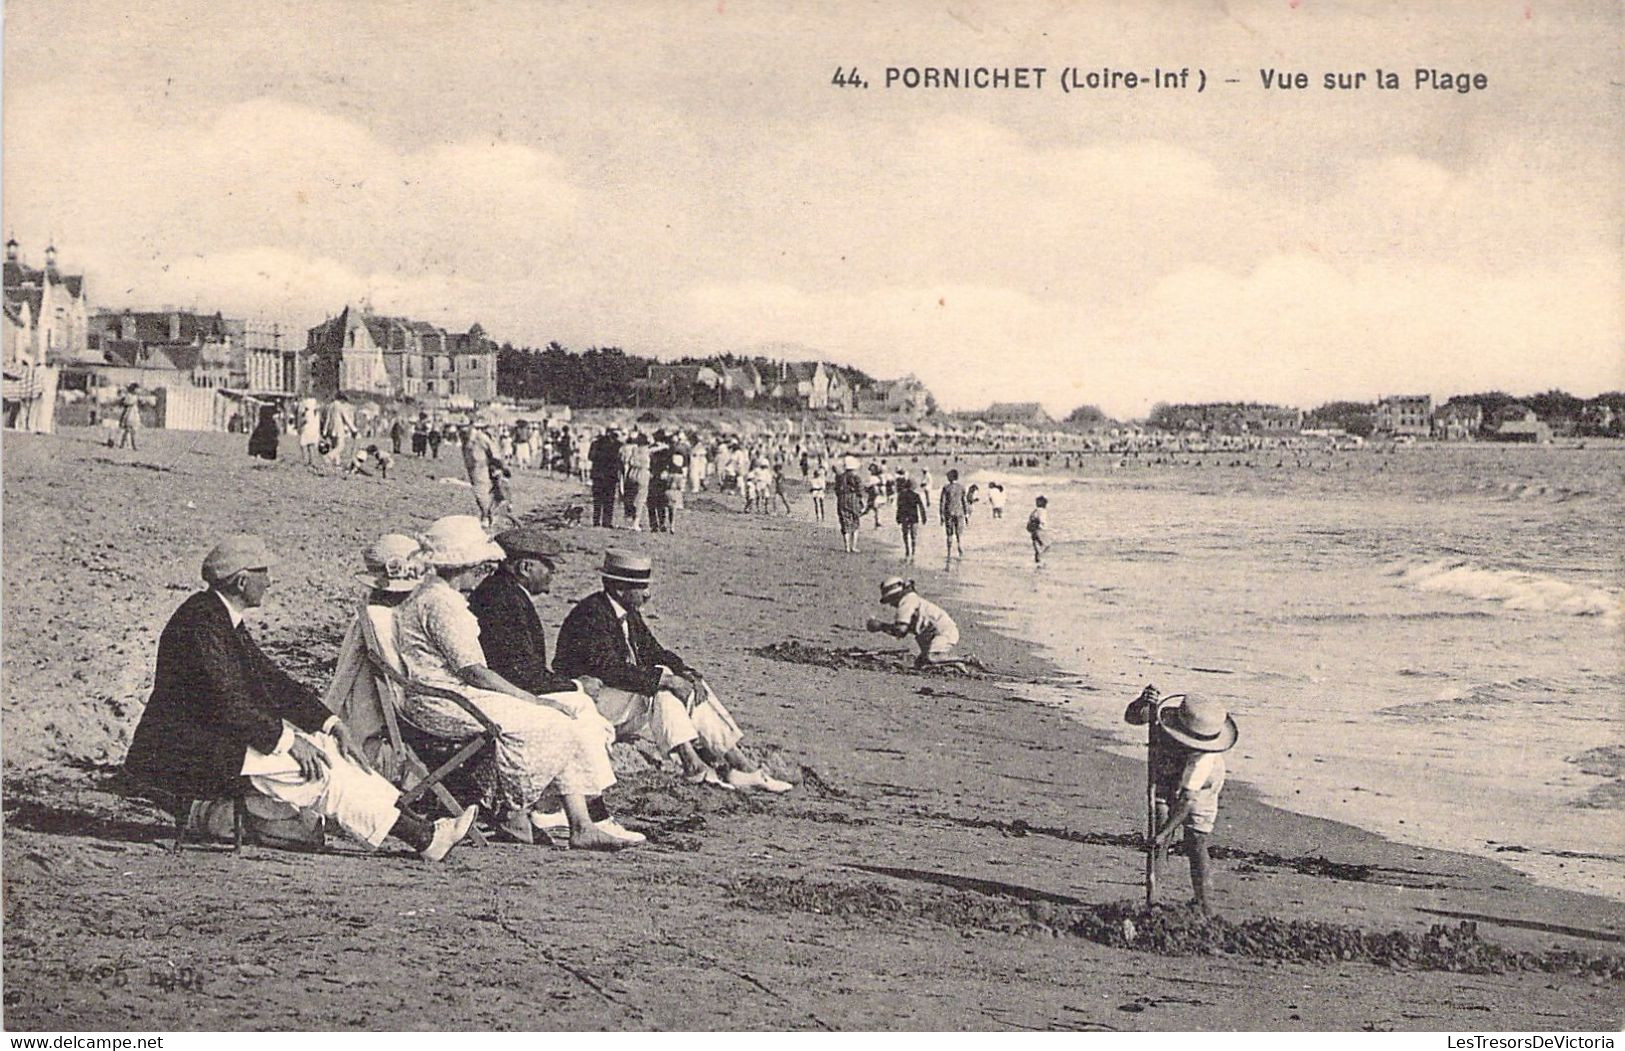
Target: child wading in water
point(1188, 740)
point(1037, 528)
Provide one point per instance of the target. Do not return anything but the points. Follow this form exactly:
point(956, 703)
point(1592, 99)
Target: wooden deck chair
point(376, 716)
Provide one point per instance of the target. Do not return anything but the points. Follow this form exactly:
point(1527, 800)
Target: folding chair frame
point(431, 781)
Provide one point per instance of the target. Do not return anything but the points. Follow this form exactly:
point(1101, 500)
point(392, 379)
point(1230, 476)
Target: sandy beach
point(959, 854)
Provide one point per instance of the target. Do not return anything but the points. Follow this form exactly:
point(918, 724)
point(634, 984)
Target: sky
point(683, 178)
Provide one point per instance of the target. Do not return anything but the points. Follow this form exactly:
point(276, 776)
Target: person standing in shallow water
point(1038, 529)
point(910, 514)
point(954, 511)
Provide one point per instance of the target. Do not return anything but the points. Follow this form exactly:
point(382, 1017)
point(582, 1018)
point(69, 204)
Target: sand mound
point(1170, 930)
point(855, 658)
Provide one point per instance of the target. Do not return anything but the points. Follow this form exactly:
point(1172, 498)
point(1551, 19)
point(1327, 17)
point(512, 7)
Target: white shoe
point(550, 821)
point(709, 777)
point(448, 832)
point(758, 778)
point(610, 827)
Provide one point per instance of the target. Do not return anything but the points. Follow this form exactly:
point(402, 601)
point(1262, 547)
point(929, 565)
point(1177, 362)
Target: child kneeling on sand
point(1188, 740)
point(932, 628)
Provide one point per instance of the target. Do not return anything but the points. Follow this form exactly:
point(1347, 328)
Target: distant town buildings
point(273, 366)
point(906, 397)
point(357, 350)
point(46, 317)
point(164, 348)
point(1520, 424)
point(1405, 414)
point(1458, 421)
point(1026, 413)
point(1229, 418)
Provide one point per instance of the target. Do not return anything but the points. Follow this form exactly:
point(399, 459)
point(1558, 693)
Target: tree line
point(606, 377)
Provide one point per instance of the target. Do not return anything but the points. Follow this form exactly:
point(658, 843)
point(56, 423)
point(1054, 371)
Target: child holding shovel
point(1188, 738)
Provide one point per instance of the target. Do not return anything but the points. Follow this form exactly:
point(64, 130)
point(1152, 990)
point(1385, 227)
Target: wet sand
point(949, 861)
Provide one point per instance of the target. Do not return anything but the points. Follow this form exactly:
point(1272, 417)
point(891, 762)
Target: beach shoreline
point(932, 784)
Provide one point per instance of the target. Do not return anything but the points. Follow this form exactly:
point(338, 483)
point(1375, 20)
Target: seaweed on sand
point(1173, 930)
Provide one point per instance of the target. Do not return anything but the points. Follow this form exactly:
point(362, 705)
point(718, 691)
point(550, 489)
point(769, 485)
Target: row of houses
point(358, 350)
point(1229, 418)
point(1462, 419)
point(812, 385)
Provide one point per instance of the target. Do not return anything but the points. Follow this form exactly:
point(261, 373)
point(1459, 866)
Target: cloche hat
point(458, 540)
point(394, 563)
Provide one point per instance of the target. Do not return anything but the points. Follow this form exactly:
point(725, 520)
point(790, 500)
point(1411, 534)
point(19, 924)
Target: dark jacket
point(849, 494)
point(605, 456)
point(910, 507)
point(511, 634)
point(215, 696)
point(591, 643)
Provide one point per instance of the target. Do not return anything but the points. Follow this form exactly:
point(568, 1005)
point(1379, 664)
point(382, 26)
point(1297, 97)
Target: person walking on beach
point(849, 503)
point(486, 470)
point(954, 509)
point(778, 487)
point(934, 631)
point(676, 472)
point(910, 514)
point(1038, 529)
point(635, 475)
point(995, 499)
point(263, 441)
point(129, 416)
point(875, 489)
point(338, 426)
point(604, 455)
point(1189, 737)
point(310, 432)
point(815, 489)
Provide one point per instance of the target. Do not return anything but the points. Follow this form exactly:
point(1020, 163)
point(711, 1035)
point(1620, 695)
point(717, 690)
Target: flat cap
point(234, 554)
point(530, 542)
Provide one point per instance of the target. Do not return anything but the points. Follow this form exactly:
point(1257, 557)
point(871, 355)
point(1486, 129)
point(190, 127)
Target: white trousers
point(664, 719)
point(359, 802)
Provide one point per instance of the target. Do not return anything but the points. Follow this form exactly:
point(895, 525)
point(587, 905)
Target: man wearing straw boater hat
point(1188, 738)
point(648, 689)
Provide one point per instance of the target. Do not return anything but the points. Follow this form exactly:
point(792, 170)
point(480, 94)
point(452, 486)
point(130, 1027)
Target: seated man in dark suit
point(516, 648)
point(220, 710)
point(648, 688)
point(510, 629)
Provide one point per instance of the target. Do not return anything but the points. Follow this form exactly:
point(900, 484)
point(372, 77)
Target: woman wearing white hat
point(556, 739)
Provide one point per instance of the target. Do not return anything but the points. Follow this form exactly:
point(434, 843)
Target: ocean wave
point(1511, 588)
point(1342, 618)
point(1477, 702)
point(1545, 492)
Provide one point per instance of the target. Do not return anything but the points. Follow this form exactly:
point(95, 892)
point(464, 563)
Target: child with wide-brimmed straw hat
point(1189, 738)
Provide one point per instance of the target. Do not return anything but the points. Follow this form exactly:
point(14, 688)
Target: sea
point(1422, 641)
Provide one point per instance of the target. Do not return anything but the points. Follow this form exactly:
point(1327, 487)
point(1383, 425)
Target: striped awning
point(20, 388)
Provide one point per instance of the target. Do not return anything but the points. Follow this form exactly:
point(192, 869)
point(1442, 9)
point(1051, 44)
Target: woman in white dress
point(310, 431)
point(557, 739)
